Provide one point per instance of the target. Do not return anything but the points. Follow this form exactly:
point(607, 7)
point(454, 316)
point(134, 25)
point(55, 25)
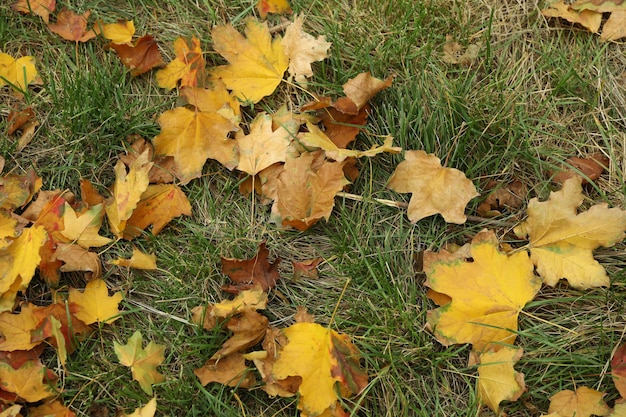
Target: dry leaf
point(188, 66)
point(360, 89)
point(27, 381)
point(586, 18)
point(83, 230)
point(591, 167)
point(76, 258)
point(141, 57)
point(138, 260)
point(230, 371)
point(453, 52)
point(582, 403)
point(118, 33)
point(497, 380)
point(72, 27)
point(303, 49)
point(257, 272)
point(142, 362)
point(248, 328)
point(273, 6)
point(435, 189)
point(618, 369)
point(41, 8)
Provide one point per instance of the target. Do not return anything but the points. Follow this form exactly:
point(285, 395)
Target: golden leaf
point(263, 146)
point(497, 380)
point(119, 33)
point(83, 229)
point(582, 403)
point(94, 304)
point(147, 410)
point(138, 260)
point(17, 72)
point(27, 381)
point(142, 362)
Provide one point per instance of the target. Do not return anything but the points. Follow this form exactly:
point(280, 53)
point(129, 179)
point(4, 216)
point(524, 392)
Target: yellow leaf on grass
point(142, 362)
point(192, 137)
point(322, 357)
point(302, 49)
point(14, 411)
point(562, 241)
point(119, 33)
point(582, 403)
point(20, 259)
point(257, 63)
point(147, 410)
point(263, 146)
point(435, 189)
point(248, 299)
point(17, 72)
point(138, 260)
point(51, 409)
point(83, 229)
point(188, 66)
point(16, 329)
point(27, 381)
point(94, 304)
point(497, 380)
point(230, 370)
point(486, 294)
point(615, 26)
point(127, 191)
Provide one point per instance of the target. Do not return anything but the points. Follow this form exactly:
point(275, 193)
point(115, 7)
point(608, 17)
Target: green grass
point(539, 93)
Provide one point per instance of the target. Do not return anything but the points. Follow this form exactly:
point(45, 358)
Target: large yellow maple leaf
point(94, 304)
point(142, 362)
point(20, 258)
point(435, 189)
point(322, 357)
point(263, 146)
point(497, 380)
point(257, 63)
point(486, 294)
point(192, 137)
point(562, 241)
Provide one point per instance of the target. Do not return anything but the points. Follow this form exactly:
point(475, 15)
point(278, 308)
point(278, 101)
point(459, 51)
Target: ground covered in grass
point(538, 93)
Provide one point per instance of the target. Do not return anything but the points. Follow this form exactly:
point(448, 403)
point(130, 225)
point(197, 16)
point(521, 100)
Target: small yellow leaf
point(263, 146)
point(94, 304)
point(147, 410)
point(16, 329)
point(142, 362)
point(138, 260)
point(20, 259)
point(497, 380)
point(582, 403)
point(248, 299)
point(188, 66)
point(119, 33)
point(83, 229)
point(17, 72)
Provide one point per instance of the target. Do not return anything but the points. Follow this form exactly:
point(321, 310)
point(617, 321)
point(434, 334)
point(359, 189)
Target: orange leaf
point(273, 6)
point(231, 371)
point(142, 362)
point(582, 403)
point(72, 27)
point(41, 8)
point(618, 369)
point(248, 329)
point(435, 189)
point(188, 66)
point(94, 304)
point(141, 57)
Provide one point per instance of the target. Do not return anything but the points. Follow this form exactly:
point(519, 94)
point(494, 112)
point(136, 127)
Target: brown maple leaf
point(250, 273)
point(72, 26)
point(141, 57)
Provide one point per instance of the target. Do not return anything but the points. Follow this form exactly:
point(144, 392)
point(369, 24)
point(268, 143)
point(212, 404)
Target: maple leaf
point(257, 63)
point(76, 258)
point(248, 328)
point(306, 269)
point(586, 18)
point(486, 302)
point(342, 128)
point(147, 410)
point(273, 6)
point(250, 273)
point(138, 260)
point(72, 27)
point(188, 66)
point(613, 28)
point(118, 33)
point(141, 57)
point(159, 205)
point(21, 257)
point(162, 172)
point(359, 90)
point(306, 190)
point(322, 357)
point(83, 229)
point(192, 137)
point(56, 322)
point(435, 189)
point(18, 73)
point(17, 190)
point(127, 191)
point(142, 362)
point(497, 380)
point(561, 241)
point(94, 304)
point(618, 369)
point(51, 409)
point(582, 403)
point(26, 382)
point(302, 49)
point(215, 99)
point(263, 146)
point(231, 371)
point(25, 122)
point(41, 8)
point(16, 329)
point(591, 168)
point(246, 300)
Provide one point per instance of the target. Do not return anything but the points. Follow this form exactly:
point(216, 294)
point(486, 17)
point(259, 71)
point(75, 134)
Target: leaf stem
point(343, 291)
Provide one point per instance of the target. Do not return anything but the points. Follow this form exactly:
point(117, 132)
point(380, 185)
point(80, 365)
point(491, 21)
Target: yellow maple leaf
point(263, 146)
point(435, 189)
point(13, 411)
point(83, 229)
point(188, 66)
point(138, 260)
point(20, 259)
point(192, 137)
point(584, 402)
point(26, 381)
point(497, 380)
point(302, 49)
point(8, 229)
point(486, 294)
point(248, 299)
point(94, 304)
point(142, 362)
point(119, 33)
point(562, 241)
point(127, 191)
point(322, 357)
point(257, 63)
point(17, 72)
point(147, 410)
point(216, 99)
point(16, 329)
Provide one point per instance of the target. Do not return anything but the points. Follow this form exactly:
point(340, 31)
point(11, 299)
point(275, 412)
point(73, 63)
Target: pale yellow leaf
point(497, 380)
point(138, 260)
point(302, 49)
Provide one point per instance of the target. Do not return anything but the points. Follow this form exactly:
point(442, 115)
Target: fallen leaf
point(303, 49)
point(188, 67)
point(216, 99)
point(509, 196)
point(453, 52)
point(562, 240)
point(141, 57)
point(90, 196)
point(248, 328)
point(306, 189)
point(13, 411)
point(27, 381)
point(613, 29)
point(147, 410)
point(273, 6)
point(72, 27)
point(76, 258)
point(263, 146)
point(615, 26)
point(41, 8)
point(586, 18)
point(16, 329)
point(246, 300)
point(138, 260)
point(250, 273)
point(18, 73)
point(256, 63)
point(360, 89)
point(118, 33)
point(163, 169)
point(17, 119)
point(94, 304)
point(83, 230)
point(435, 189)
point(159, 205)
point(142, 362)
point(192, 137)
point(20, 258)
point(591, 167)
point(342, 128)
point(306, 269)
point(71, 329)
point(582, 403)
point(230, 371)
point(485, 304)
point(51, 409)
point(17, 190)
point(322, 357)
point(497, 380)
point(618, 369)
